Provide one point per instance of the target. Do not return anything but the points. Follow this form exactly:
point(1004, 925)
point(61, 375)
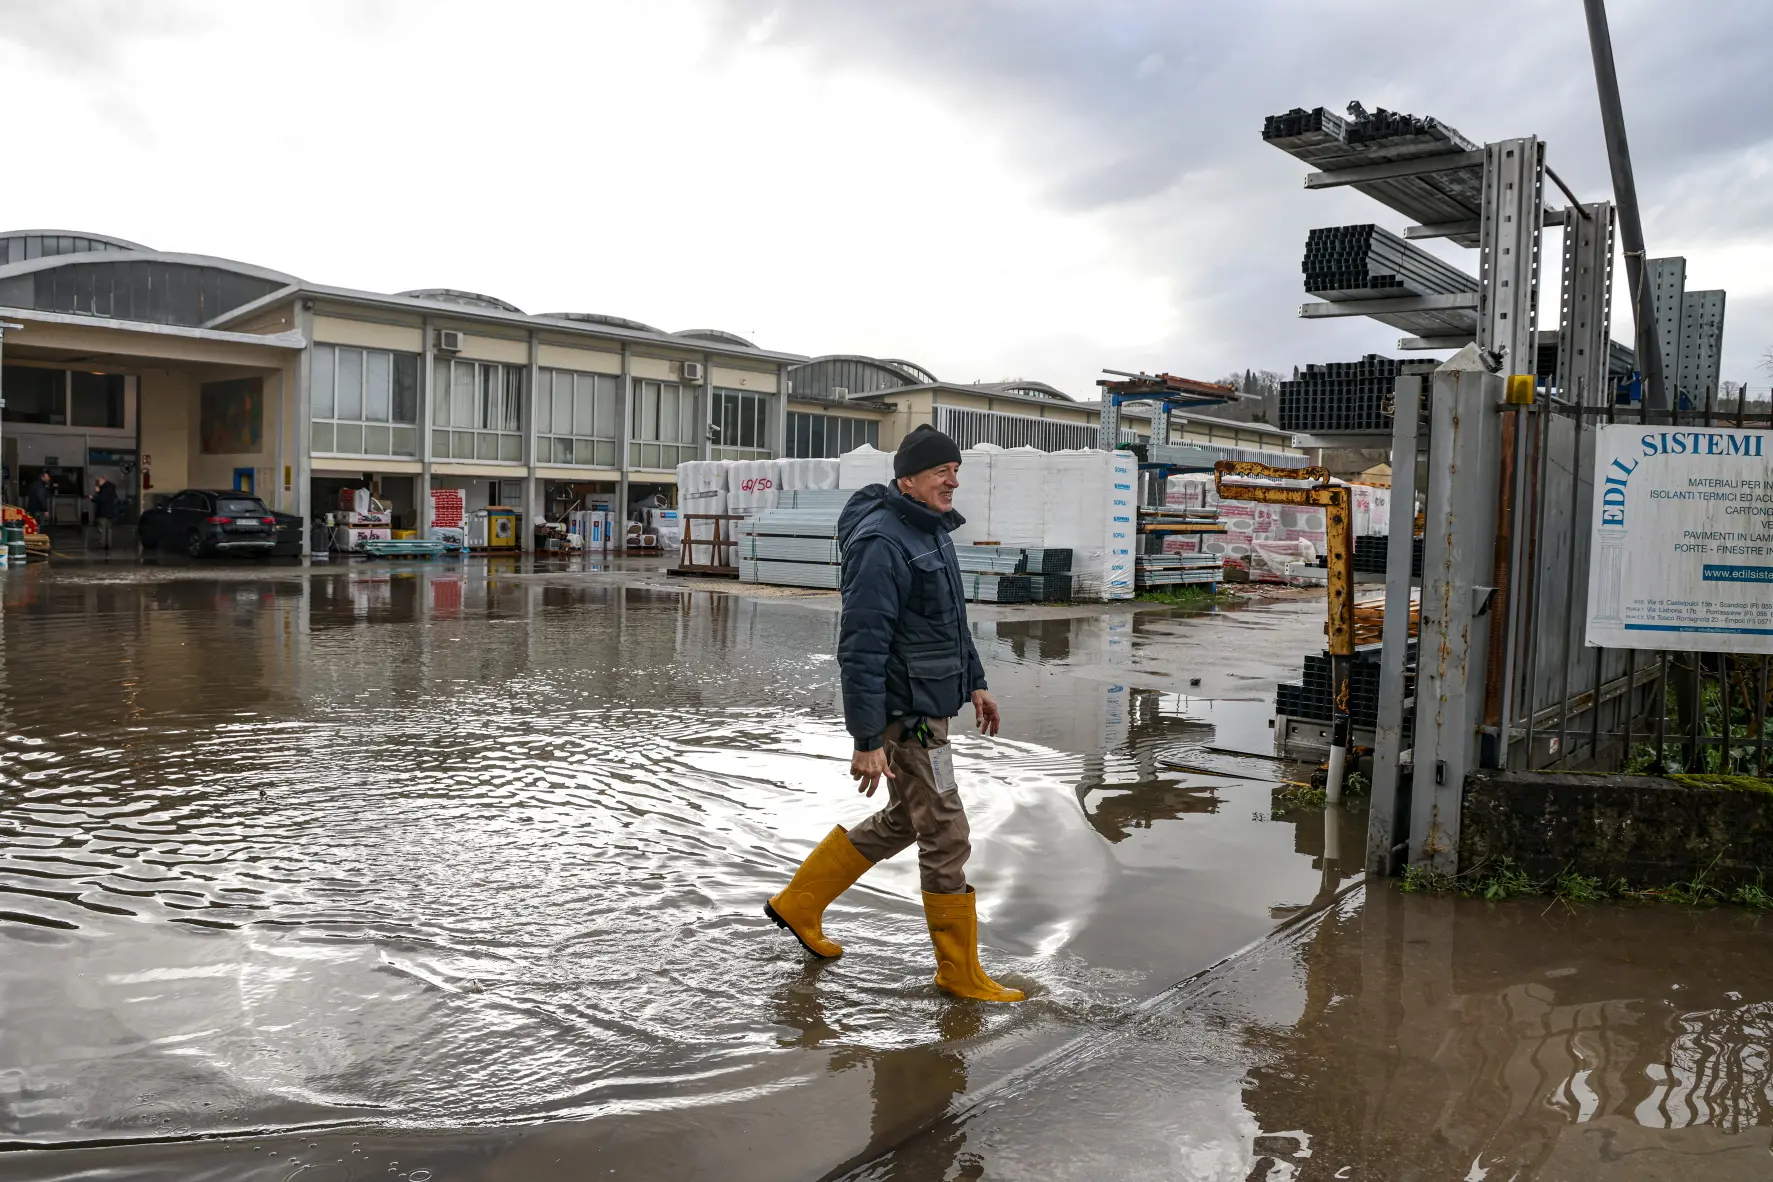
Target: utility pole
point(1625, 196)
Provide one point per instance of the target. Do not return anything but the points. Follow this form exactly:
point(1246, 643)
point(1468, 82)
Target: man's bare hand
point(867, 768)
point(985, 711)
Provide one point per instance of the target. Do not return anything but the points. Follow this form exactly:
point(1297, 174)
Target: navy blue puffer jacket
point(903, 650)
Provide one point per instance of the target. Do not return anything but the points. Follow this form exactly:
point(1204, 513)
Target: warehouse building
point(165, 371)
point(842, 400)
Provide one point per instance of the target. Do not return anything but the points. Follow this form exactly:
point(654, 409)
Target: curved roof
point(472, 299)
point(913, 375)
point(142, 285)
point(603, 318)
point(716, 334)
point(1027, 389)
point(17, 246)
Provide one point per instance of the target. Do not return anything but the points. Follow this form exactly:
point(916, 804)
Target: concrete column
point(624, 434)
point(704, 445)
point(780, 430)
point(427, 382)
point(531, 486)
point(303, 316)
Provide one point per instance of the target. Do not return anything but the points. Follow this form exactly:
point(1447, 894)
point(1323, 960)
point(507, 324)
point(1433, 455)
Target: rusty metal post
point(1340, 586)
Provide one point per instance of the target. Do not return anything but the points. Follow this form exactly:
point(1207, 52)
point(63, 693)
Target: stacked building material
point(1176, 570)
point(991, 560)
point(1311, 697)
point(1344, 396)
point(1369, 262)
point(794, 544)
point(1015, 574)
point(1372, 553)
point(988, 588)
point(1329, 142)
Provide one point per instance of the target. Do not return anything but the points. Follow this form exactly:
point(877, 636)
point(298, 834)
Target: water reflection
point(1405, 1036)
point(467, 845)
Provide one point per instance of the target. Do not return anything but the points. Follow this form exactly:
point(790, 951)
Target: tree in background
point(1264, 383)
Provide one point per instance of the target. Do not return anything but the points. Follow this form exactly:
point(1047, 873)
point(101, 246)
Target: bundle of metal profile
point(820, 499)
point(989, 560)
point(1372, 553)
point(790, 574)
point(1311, 698)
point(1050, 588)
point(986, 588)
point(1341, 396)
point(788, 549)
point(1047, 560)
point(1328, 142)
point(1368, 262)
point(791, 546)
point(1175, 570)
point(1621, 359)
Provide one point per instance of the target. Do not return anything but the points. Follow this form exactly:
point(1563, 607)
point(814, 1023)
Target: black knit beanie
point(923, 449)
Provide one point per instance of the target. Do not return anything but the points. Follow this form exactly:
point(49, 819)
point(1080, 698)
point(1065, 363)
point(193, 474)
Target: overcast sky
point(991, 189)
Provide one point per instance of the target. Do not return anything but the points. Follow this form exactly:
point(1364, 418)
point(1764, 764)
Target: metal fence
point(969, 428)
point(1552, 702)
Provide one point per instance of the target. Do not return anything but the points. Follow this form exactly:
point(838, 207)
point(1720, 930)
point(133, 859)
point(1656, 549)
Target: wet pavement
point(455, 871)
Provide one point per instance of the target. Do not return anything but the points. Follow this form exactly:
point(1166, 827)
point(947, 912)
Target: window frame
point(325, 422)
point(490, 397)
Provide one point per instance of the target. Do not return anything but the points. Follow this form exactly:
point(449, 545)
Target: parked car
point(201, 521)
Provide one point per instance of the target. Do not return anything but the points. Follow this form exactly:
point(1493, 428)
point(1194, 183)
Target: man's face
point(933, 486)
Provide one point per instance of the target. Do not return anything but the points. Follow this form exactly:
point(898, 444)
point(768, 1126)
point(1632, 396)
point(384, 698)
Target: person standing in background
point(104, 510)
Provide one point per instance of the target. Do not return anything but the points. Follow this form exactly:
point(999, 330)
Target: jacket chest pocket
point(935, 682)
point(930, 587)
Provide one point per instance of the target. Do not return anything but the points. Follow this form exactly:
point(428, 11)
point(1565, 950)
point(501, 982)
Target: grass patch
point(1725, 783)
point(1509, 881)
point(1295, 795)
point(1421, 880)
point(1752, 895)
point(1193, 595)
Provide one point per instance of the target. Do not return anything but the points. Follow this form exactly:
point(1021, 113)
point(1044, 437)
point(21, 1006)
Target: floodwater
point(455, 872)
point(465, 864)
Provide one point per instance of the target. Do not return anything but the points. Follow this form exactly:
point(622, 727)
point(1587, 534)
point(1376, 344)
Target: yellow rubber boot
point(954, 930)
point(830, 870)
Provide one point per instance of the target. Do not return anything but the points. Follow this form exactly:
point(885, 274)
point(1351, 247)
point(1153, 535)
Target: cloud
point(1170, 155)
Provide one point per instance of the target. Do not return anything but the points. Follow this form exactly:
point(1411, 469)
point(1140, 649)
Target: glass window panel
point(873, 435)
point(487, 399)
point(320, 381)
point(668, 402)
point(511, 448)
point(461, 396)
point(729, 420)
point(512, 419)
point(462, 444)
point(376, 440)
point(554, 451)
point(584, 404)
point(605, 426)
point(378, 386)
point(556, 412)
point(320, 437)
point(486, 445)
point(406, 388)
point(605, 453)
point(351, 439)
point(350, 384)
point(649, 455)
point(688, 427)
point(406, 441)
point(440, 444)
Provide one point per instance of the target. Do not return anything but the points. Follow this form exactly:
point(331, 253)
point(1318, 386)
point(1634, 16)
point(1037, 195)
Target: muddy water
point(1405, 1037)
point(370, 871)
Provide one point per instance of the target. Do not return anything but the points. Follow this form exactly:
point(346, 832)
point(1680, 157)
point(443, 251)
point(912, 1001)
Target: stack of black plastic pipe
point(1367, 262)
point(1340, 396)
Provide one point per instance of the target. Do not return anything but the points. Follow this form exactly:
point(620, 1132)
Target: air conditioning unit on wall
point(840, 392)
point(692, 371)
point(449, 340)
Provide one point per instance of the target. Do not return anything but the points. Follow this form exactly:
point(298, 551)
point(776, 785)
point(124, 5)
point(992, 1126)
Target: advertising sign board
point(1682, 543)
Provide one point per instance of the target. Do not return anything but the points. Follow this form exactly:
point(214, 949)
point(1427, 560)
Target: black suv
point(207, 521)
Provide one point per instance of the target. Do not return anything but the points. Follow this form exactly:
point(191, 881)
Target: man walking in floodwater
point(907, 664)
